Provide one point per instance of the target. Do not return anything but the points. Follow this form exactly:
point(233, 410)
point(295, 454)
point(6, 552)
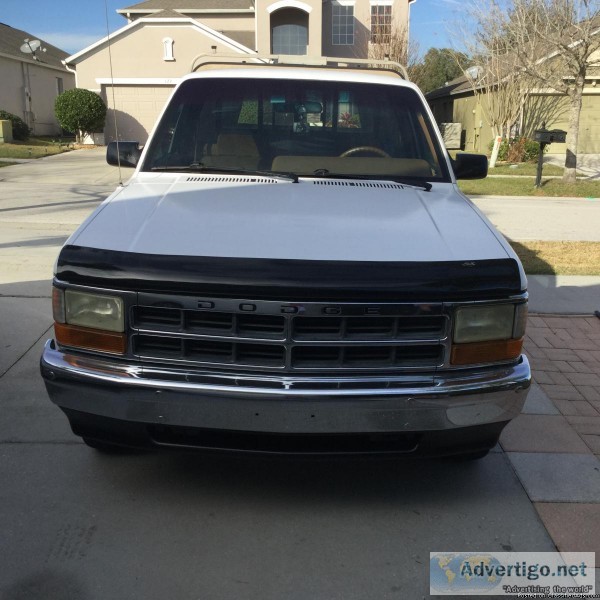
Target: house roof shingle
point(12, 39)
point(164, 14)
point(456, 86)
point(182, 5)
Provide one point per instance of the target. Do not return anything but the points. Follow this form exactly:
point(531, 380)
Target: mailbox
point(544, 137)
point(549, 136)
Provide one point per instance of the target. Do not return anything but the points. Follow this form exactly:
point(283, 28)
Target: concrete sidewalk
point(564, 294)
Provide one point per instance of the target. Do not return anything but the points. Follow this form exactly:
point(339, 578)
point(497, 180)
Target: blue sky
point(74, 24)
point(431, 23)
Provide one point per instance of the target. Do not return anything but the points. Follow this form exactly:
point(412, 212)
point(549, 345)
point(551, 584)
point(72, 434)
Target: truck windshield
point(308, 127)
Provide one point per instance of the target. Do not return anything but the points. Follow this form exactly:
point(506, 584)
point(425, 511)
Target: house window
point(168, 49)
point(59, 86)
point(342, 19)
point(289, 31)
point(381, 22)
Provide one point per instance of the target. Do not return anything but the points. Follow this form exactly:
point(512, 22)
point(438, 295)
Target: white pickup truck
point(290, 269)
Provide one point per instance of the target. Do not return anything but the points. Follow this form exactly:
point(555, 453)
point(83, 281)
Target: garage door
point(136, 108)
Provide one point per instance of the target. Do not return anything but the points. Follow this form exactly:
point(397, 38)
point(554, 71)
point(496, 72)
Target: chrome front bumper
point(110, 388)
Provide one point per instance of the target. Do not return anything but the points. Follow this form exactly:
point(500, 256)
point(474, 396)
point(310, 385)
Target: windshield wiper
point(200, 168)
point(395, 178)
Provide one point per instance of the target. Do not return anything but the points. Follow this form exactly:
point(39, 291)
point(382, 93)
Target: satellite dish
point(474, 72)
point(29, 47)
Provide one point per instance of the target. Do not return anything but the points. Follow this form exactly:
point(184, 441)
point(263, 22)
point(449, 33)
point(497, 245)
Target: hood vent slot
point(230, 179)
point(359, 184)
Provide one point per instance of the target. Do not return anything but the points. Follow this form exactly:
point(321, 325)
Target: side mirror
point(127, 154)
point(470, 166)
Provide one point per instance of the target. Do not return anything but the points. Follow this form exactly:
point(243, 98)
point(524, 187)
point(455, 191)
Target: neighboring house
point(157, 46)
point(30, 82)
point(456, 103)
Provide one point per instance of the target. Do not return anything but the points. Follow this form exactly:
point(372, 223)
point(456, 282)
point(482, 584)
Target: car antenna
point(112, 85)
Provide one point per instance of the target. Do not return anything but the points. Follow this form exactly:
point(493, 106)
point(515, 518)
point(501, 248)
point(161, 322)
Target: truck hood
point(315, 219)
point(251, 237)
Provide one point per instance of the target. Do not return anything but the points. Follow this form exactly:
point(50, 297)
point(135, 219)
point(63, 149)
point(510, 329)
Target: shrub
point(19, 127)
point(81, 111)
point(517, 150)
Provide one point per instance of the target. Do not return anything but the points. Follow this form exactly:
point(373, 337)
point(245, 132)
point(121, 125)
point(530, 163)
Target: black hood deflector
point(298, 280)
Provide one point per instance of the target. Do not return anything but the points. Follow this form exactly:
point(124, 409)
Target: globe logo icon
point(463, 572)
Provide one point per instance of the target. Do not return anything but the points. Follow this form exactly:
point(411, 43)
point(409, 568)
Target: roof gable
point(183, 6)
point(235, 45)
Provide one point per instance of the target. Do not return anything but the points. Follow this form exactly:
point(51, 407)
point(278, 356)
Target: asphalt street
point(79, 525)
point(553, 219)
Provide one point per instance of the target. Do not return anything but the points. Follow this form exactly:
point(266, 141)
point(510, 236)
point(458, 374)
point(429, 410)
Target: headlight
point(484, 323)
point(94, 310)
point(89, 321)
point(488, 333)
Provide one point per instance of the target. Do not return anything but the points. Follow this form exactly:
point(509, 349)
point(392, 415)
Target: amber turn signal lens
point(90, 339)
point(58, 305)
point(485, 352)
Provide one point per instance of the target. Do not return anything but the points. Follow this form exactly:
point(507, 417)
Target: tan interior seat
point(232, 150)
point(351, 165)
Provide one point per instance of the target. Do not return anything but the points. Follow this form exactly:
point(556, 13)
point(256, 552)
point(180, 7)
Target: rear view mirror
point(470, 166)
point(125, 154)
point(298, 108)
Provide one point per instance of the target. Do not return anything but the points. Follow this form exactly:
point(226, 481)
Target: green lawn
point(525, 169)
point(35, 147)
point(511, 186)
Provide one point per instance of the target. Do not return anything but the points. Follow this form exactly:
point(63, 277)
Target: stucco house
point(31, 80)
point(457, 103)
point(157, 45)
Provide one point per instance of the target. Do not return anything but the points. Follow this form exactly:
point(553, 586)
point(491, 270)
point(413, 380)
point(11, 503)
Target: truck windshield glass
point(310, 128)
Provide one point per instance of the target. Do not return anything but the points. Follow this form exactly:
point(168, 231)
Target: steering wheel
point(372, 149)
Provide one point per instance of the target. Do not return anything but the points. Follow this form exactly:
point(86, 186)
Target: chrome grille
point(288, 337)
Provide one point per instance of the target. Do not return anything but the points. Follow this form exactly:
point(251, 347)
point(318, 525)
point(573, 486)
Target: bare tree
point(552, 42)
point(394, 44)
point(499, 86)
